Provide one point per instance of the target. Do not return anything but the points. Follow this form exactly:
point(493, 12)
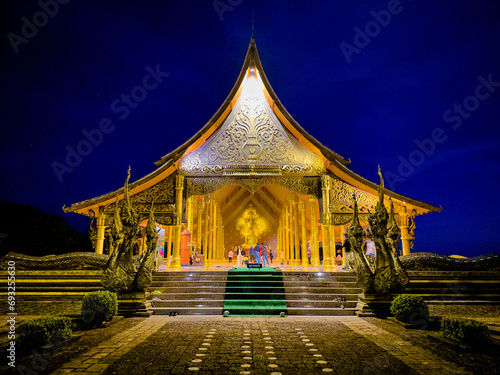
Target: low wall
point(49, 292)
point(455, 287)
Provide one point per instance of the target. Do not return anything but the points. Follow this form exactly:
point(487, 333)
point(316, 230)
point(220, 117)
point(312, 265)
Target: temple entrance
point(287, 223)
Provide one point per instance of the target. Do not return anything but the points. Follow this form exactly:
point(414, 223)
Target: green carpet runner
point(255, 292)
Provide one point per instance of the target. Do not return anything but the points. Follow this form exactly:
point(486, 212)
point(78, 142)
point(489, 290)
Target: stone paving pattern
point(292, 345)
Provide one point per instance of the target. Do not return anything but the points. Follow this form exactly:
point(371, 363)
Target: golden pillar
point(101, 228)
point(176, 255)
point(287, 231)
point(280, 247)
point(326, 184)
point(342, 238)
point(206, 214)
point(221, 238)
point(314, 233)
point(291, 235)
point(199, 213)
point(213, 214)
point(209, 224)
point(189, 214)
point(296, 240)
point(305, 259)
point(407, 231)
point(333, 244)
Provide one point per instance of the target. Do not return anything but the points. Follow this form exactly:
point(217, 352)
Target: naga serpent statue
point(121, 274)
point(388, 276)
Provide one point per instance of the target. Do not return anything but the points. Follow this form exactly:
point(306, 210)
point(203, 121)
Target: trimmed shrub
point(40, 331)
point(466, 331)
point(98, 307)
point(409, 308)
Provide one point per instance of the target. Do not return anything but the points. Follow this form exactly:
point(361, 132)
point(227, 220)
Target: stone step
point(188, 303)
point(305, 304)
point(188, 310)
point(189, 273)
point(189, 296)
point(202, 291)
point(321, 279)
point(321, 311)
point(322, 297)
point(192, 284)
point(300, 284)
point(257, 295)
point(322, 290)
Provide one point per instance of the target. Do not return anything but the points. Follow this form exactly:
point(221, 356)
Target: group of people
point(259, 253)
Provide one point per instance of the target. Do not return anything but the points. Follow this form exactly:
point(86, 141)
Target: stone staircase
point(203, 293)
point(188, 293)
point(323, 293)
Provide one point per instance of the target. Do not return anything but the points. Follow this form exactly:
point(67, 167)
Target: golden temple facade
point(253, 154)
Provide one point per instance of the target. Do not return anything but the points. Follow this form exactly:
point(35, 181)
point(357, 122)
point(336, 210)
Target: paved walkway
point(96, 360)
point(293, 345)
point(421, 360)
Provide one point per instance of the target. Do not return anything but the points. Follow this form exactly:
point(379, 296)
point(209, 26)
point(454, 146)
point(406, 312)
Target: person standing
point(263, 255)
point(239, 257)
point(257, 253)
point(251, 254)
point(230, 256)
point(271, 256)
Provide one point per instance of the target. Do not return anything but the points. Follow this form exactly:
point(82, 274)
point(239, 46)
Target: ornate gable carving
point(252, 141)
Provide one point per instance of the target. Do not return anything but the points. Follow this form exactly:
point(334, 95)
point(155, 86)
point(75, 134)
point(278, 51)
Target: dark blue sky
point(415, 75)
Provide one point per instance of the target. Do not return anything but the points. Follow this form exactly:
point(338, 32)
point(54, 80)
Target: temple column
point(333, 244)
point(291, 235)
point(305, 259)
point(176, 255)
point(314, 234)
point(342, 237)
point(278, 236)
point(168, 238)
point(199, 213)
point(287, 232)
point(213, 214)
point(189, 215)
point(407, 232)
point(281, 246)
point(101, 228)
point(206, 214)
point(209, 226)
point(327, 246)
point(296, 241)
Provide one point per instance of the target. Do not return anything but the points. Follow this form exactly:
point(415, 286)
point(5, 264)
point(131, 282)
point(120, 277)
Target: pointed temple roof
point(253, 135)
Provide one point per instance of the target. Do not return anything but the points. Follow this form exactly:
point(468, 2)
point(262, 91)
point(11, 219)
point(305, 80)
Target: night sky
point(375, 81)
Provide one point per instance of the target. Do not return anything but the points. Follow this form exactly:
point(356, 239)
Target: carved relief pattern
point(341, 198)
point(204, 186)
point(163, 194)
point(252, 135)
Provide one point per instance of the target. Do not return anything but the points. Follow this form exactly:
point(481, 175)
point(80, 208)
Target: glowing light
point(250, 223)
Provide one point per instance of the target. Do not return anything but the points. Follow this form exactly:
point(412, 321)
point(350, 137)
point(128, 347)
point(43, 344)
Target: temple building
point(253, 163)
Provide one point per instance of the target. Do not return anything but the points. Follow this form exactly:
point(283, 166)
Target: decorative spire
point(253, 23)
